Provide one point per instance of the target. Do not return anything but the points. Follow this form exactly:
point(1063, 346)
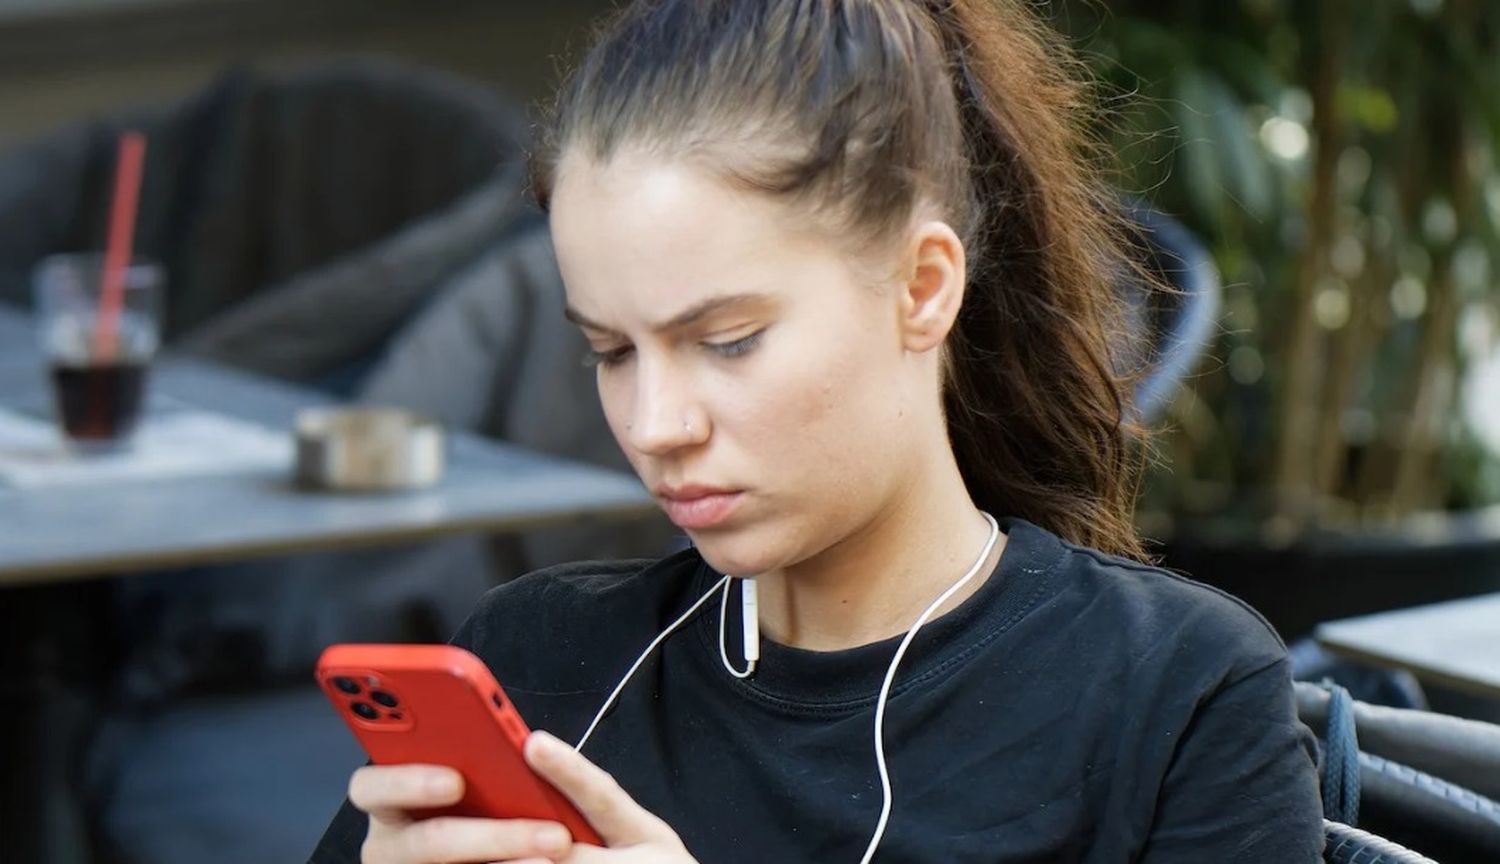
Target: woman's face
point(756, 381)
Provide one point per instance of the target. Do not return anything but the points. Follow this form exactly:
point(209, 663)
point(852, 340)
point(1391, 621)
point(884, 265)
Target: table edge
point(116, 565)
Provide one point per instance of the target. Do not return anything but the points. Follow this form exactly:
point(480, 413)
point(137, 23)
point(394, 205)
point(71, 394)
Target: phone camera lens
point(348, 685)
point(380, 697)
point(365, 711)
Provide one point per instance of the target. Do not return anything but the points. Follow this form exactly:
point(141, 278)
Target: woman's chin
point(737, 554)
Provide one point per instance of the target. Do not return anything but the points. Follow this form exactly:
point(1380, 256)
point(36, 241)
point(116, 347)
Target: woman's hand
point(631, 834)
point(388, 793)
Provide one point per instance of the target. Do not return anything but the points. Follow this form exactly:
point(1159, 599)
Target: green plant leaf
point(1367, 106)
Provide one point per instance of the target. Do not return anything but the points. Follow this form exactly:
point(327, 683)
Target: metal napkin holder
point(367, 449)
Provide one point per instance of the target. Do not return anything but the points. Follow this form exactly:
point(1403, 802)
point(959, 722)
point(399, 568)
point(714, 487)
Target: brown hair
point(867, 109)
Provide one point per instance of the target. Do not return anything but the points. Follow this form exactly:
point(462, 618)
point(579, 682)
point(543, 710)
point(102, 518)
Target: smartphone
point(439, 705)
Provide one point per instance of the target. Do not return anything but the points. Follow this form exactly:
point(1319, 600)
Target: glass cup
point(98, 367)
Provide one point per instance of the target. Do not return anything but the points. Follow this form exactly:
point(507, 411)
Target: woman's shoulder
point(590, 579)
point(576, 609)
point(1153, 610)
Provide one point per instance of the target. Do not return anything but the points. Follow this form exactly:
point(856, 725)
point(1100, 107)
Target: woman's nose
point(666, 416)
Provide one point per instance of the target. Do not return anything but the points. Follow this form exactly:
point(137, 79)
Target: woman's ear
point(933, 287)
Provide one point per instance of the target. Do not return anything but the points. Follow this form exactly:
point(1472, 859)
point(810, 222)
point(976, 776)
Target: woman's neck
point(874, 583)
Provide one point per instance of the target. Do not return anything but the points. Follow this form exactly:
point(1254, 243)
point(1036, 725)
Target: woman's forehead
point(671, 235)
point(662, 206)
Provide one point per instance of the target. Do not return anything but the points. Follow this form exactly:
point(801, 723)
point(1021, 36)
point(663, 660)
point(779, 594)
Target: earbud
point(749, 626)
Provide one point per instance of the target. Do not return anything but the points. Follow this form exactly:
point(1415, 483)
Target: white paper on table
point(180, 443)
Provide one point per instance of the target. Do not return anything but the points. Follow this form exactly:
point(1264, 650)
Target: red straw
point(128, 166)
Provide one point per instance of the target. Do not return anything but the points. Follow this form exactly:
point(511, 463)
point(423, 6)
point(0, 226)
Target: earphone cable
point(660, 637)
point(890, 676)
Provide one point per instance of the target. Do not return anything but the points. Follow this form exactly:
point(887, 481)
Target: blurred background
point(65, 60)
point(1325, 389)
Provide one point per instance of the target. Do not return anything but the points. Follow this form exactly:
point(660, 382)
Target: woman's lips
point(701, 511)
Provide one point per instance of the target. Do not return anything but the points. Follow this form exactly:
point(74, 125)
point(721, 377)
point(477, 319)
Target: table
point(1454, 644)
point(57, 534)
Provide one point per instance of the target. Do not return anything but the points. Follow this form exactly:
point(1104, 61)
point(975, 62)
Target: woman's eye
point(612, 357)
point(736, 348)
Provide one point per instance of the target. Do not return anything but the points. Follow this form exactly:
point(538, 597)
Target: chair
point(1437, 815)
point(1464, 752)
point(1177, 324)
point(346, 192)
point(1346, 845)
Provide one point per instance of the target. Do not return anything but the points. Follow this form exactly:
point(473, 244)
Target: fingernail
point(553, 838)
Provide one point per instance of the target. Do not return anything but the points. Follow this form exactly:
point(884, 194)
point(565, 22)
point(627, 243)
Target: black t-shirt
point(1076, 708)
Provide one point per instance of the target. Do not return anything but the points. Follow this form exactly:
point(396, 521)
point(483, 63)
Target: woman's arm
point(1243, 784)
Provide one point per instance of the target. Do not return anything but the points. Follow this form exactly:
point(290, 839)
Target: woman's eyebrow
point(684, 319)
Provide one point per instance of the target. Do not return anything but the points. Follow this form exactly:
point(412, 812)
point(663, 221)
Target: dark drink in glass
point(98, 363)
point(99, 403)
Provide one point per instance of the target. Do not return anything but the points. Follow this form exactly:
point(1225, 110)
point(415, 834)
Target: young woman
point(848, 282)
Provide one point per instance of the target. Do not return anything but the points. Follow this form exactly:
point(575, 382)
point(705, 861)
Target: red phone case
point(439, 705)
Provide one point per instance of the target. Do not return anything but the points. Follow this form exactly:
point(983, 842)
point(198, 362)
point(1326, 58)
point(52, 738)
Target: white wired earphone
point(751, 629)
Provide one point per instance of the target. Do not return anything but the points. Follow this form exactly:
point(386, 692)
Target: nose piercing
point(686, 427)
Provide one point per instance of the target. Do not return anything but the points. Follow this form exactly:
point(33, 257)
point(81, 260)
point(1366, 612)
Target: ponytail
point(1036, 408)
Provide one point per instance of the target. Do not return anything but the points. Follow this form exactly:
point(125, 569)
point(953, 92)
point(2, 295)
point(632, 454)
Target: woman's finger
point(613, 813)
point(584, 854)
point(456, 838)
point(386, 792)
